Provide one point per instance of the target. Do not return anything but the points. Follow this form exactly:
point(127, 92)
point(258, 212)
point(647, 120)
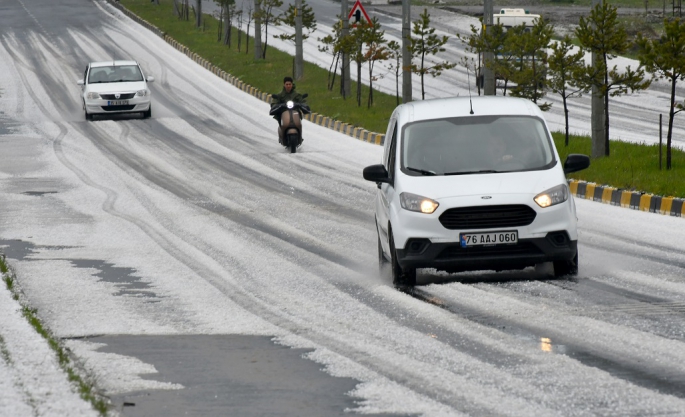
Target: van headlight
point(553, 196)
point(413, 202)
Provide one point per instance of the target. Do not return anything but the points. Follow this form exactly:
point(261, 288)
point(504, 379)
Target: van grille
point(487, 217)
point(519, 250)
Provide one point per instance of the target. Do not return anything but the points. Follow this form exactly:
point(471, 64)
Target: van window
point(466, 145)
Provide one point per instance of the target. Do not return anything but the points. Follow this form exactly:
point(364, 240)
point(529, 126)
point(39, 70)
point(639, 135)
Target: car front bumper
point(452, 257)
point(135, 105)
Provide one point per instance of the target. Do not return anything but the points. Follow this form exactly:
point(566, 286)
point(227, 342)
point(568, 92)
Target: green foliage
point(665, 58)
point(564, 67)
point(528, 46)
point(265, 15)
point(604, 35)
point(631, 166)
point(425, 43)
point(288, 19)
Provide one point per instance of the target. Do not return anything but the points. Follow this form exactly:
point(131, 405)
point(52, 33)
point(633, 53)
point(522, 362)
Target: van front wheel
point(400, 276)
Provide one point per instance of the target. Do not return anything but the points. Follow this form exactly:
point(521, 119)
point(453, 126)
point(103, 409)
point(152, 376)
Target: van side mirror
point(376, 173)
point(576, 162)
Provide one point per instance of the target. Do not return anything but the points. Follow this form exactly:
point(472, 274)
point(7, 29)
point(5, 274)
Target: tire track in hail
point(653, 379)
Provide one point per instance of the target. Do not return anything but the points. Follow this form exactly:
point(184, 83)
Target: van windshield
point(480, 144)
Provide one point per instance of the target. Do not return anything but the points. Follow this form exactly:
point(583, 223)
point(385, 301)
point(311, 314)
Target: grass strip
point(85, 389)
point(631, 166)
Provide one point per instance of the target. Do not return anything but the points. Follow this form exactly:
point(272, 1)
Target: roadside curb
point(636, 200)
point(316, 118)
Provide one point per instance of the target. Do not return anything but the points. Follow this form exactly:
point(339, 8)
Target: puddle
point(229, 375)
point(124, 278)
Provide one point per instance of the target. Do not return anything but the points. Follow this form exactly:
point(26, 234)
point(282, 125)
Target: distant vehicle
point(478, 186)
point(514, 17)
point(115, 87)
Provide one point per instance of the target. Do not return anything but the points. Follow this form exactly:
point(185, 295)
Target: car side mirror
point(150, 79)
point(376, 173)
point(576, 162)
point(79, 82)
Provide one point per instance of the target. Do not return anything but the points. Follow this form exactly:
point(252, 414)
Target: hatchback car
point(115, 87)
point(473, 184)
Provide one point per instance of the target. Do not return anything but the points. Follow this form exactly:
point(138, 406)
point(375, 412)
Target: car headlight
point(553, 196)
point(93, 96)
point(413, 202)
point(142, 93)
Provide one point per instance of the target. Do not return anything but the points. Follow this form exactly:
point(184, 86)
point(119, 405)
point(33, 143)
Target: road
point(152, 247)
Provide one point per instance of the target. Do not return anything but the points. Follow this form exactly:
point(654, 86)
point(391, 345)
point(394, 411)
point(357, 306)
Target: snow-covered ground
point(234, 236)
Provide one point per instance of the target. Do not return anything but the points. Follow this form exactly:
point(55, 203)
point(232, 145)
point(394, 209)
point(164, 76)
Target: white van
point(473, 185)
point(514, 17)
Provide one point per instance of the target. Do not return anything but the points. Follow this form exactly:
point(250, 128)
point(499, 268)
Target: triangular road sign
point(358, 14)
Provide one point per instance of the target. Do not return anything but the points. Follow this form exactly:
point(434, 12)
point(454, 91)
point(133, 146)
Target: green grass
point(267, 75)
point(85, 388)
point(630, 166)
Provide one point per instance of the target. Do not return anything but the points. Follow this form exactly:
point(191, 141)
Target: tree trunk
point(198, 13)
point(671, 115)
point(565, 115)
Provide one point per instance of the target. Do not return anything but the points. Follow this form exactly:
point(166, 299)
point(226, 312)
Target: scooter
point(290, 128)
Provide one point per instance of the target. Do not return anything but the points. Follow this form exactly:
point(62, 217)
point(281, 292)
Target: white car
point(473, 184)
point(115, 87)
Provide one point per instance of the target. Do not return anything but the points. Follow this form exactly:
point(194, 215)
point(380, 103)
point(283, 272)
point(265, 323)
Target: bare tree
point(250, 17)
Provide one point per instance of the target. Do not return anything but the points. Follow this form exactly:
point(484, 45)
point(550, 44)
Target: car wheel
point(566, 268)
point(400, 276)
point(148, 113)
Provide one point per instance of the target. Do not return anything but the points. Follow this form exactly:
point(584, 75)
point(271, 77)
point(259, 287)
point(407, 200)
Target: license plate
point(117, 103)
point(488, 239)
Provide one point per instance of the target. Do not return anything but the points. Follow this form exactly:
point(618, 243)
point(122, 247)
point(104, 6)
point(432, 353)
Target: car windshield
point(475, 144)
point(114, 74)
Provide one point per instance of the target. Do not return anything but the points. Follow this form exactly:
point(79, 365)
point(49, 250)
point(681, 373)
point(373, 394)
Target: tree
point(331, 44)
point(250, 17)
point(528, 46)
point(426, 43)
point(353, 46)
point(564, 66)
point(288, 19)
point(376, 50)
point(602, 34)
point(266, 17)
point(665, 58)
point(395, 56)
point(239, 22)
point(478, 43)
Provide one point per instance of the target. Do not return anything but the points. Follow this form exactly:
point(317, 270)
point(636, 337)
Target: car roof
point(461, 106)
point(112, 63)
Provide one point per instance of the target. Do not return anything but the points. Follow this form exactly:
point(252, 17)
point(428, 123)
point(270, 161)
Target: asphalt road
point(195, 225)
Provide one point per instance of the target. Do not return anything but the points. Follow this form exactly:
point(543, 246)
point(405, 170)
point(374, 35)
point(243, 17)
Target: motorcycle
point(290, 128)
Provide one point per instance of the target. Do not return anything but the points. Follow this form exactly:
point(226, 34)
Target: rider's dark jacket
point(283, 97)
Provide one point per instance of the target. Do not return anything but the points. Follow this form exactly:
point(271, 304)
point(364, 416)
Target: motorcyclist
point(287, 94)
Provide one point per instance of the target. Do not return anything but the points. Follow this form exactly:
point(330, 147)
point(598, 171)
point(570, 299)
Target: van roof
point(461, 107)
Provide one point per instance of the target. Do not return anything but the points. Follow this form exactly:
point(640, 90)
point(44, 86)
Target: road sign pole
point(346, 78)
